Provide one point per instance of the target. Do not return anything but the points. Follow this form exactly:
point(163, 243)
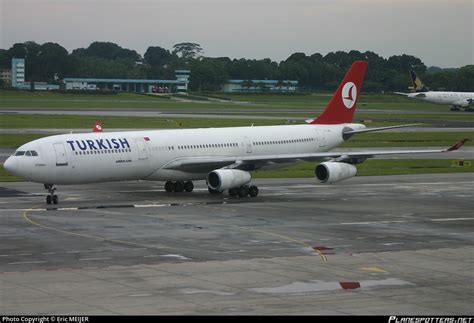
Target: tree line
point(50, 61)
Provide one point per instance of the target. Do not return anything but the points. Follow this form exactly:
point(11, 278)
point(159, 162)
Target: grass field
point(10, 121)
point(374, 167)
point(40, 100)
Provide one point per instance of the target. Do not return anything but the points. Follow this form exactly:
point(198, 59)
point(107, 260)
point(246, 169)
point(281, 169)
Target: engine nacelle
point(332, 172)
point(223, 179)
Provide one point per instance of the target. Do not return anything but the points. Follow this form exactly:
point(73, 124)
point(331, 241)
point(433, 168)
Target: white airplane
point(222, 156)
point(457, 100)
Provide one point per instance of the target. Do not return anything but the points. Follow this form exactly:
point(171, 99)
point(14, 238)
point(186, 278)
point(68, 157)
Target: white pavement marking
point(150, 205)
point(27, 262)
point(139, 295)
point(93, 259)
point(452, 219)
point(176, 256)
point(374, 222)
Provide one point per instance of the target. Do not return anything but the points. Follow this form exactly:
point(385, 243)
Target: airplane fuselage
point(461, 99)
point(144, 155)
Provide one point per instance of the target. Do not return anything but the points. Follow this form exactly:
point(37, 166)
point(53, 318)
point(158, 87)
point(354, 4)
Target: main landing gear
point(51, 197)
point(244, 191)
point(179, 186)
point(240, 191)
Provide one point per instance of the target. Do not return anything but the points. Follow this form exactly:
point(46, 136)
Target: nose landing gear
point(51, 197)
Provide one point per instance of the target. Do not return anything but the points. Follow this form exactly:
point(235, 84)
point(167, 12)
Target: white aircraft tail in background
point(457, 100)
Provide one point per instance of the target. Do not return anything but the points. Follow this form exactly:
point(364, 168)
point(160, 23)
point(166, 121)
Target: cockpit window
point(26, 153)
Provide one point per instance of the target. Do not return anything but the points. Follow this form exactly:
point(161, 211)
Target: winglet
point(457, 145)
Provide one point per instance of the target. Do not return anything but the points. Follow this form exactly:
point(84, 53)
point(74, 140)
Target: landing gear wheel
point(51, 197)
point(243, 191)
point(188, 186)
point(253, 191)
point(233, 192)
point(169, 186)
point(179, 186)
point(213, 191)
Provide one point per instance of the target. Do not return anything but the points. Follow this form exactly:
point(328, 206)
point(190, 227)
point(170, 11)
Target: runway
point(369, 245)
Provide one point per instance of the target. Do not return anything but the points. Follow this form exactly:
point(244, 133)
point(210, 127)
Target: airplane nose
point(10, 165)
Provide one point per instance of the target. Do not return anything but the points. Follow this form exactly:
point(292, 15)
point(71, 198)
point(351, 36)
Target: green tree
point(157, 56)
point(207, 74)
point(465, 79)
point(187, 51)
point(52, 59)
point(107, 50)
point(5, 59)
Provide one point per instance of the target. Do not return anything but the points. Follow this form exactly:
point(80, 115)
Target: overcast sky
point(439, 32)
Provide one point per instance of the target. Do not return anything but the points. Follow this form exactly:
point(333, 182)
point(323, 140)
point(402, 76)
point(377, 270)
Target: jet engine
point(223, 179)
point(332, 172)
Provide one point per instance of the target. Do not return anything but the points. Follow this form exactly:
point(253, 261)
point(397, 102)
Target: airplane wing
point(401, 93)
point(204, 164)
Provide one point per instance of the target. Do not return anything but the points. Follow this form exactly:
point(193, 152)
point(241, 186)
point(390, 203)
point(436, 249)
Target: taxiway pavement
point(403, 243)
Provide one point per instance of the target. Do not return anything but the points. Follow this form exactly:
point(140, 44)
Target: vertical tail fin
point(418, 85)
point(343, 103)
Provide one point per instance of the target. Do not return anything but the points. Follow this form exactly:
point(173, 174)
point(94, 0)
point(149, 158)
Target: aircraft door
point(61, 157)
point(248, 145)
point(321, 138)
point(142, 149)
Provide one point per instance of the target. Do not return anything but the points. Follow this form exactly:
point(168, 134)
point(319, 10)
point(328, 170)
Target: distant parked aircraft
point(457, 100)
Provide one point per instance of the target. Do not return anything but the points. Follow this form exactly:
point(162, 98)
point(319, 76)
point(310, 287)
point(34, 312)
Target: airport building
point(18, 72)
point(6, 75)
point(255, 86)
point(17, 78)
point(131, 85)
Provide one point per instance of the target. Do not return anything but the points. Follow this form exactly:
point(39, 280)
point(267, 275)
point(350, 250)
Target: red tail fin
point(343, 103)
point(97, 127)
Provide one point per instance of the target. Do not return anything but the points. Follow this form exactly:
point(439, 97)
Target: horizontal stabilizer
point(353, 132)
